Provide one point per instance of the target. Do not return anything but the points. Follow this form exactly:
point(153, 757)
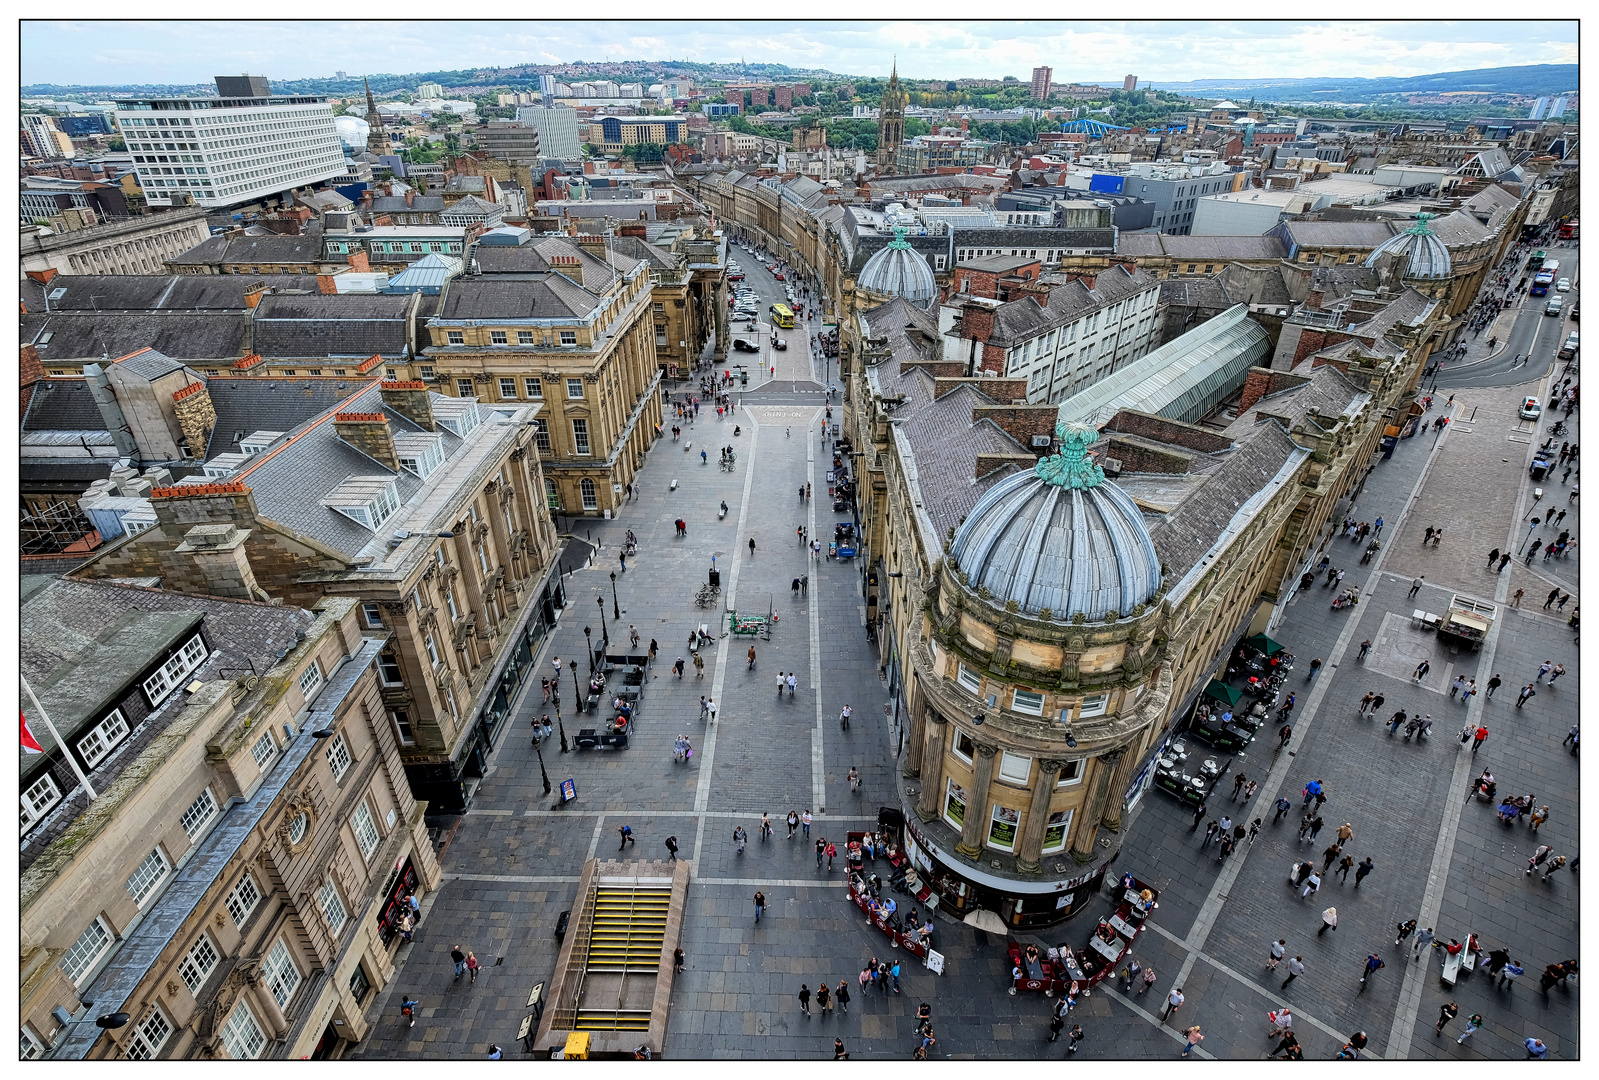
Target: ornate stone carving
point(393, 607)
point(987, 750)
point(172, 988)
point(1077, 643)
point(298, 804)
point(1054, 765)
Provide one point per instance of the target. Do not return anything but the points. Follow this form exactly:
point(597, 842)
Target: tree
point(116, 142)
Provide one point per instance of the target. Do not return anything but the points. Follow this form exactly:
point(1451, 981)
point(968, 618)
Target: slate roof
point(550, 297)
point(320, 326)
point(1329, 392)
point(253, 250)
point(1407, 309)
point(245, 404)
point(474, 206)
point(289, 482)
point(149, 363)
point(62, 405)
point(1021, 320)
point(635, 248)
point(421, 204)
point(1211, 248)
point(1183, 536)
point(1196, 293)
point(943, 437)
point(1459, 229)
point(1044, 237)
point(199, 337)
point(323, 201)
point(1355, 234)
point(73, 626)
point(156, 292)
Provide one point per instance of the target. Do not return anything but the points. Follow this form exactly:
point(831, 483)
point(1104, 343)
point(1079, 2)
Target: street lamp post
point(616, 608)
point(605, 631)
point(588, 640)
point(560, 727)
point(578, 686)
point(539, 750)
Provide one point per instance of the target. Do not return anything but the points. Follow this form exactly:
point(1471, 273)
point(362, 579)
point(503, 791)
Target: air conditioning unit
point(1041, 442)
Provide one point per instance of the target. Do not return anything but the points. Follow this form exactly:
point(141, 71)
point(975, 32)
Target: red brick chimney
point(326, 285)
point(254, 293)
point(359, 262)
point(32, 372)
point(977, 321)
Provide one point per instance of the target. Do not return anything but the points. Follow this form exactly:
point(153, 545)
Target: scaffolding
point(54, 529)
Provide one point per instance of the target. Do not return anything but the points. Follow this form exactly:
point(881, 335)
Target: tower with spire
point(377, 140)
point(890, 124)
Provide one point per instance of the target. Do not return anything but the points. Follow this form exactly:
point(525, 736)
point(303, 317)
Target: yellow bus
point(782, 316)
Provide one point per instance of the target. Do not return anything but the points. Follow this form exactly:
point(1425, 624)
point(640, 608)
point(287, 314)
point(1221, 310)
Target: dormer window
point(418, 453)
point(368, 501)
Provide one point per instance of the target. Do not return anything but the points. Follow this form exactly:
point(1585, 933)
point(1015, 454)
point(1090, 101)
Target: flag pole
point(65, 752)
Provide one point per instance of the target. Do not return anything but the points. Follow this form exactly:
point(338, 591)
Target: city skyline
point(141, 52)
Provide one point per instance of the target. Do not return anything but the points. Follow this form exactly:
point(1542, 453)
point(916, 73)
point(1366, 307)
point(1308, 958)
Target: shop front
point(962, 888)
point(394, 905)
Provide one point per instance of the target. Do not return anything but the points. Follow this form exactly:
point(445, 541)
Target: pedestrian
point(793, 823)
point(1275, 957)
point(1424, 939)
point(924, 1015)
point(1130, 974)
point(1554, 865)
point(805, 999)
point(1193, 1037)
point(1365, 702)
point(1238, 784)
point(1346, 833)
point(406, 926)
point(782, 681)
point(824, 998)
point(1329, 856)
point(832, 853)
point(1284, 733)
point(678, 667)
point(677, 959)
point(1174, 1001)
point(1509, 974)
point(1296, 968)
point(791, 684)
point(1473, 1022)
point(1547, 666)
point(1315, 825)
point(416, 908)
point(1199, 815)
point(1527, 693)
point(841, 995)
point(1479, 736)
point(1415, 585)
point(459, 957)
point(1536, 1048)
point(1282, 805)
point(1515, 597)
point(1315, 665)
point(1345, 864)
point(1210, 832)
point(1493, 557)
point(1374, 964)
point(760, 905)
point(408, 1009)
point(1493, 684)
point(1365, 647)
point(1148, 981)
point(671, 848)
point(699, 665)
point(1329, 921)
point(839, 1053)
point(1538, 818)
point(805, 823)
point(1366, 866)
point(1312, 885)
point(1446, 1012)
point(1421, 671)
point(472, 964)
point(1560, 669)
point(1254, 830)
point(1073, 1037)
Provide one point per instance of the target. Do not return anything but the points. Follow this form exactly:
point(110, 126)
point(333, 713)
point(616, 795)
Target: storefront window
point(1060, 823)
point(955, 805)
point(1002, 828)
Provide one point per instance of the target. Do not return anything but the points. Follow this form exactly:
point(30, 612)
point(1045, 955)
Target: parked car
point(778, 275)
point(740, 345)
point(735, 275)
point(1530, 408)
point(1569, 349)
point(1563, 285)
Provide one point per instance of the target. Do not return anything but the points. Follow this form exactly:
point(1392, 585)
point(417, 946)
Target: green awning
point(1264, 644)
point(1223, 693)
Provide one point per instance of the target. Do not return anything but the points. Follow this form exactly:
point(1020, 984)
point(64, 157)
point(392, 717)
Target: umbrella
point(1223, 693)
point(984, 919)
point(1264, 644)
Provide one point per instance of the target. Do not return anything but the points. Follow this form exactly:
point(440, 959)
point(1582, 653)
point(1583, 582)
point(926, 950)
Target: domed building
point(1423, 256)
point(898, 270)
point(1039, 681)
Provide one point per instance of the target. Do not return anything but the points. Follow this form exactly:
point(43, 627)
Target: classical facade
point(137, 245)
point(552, 322)
point(233, 885)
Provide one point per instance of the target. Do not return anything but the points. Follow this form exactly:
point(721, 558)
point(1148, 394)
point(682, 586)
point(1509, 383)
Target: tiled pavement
point(512, 863)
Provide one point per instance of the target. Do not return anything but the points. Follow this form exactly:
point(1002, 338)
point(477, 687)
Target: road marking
point(729, 815)
point(594, 841)
point(518, 879)
point(1117, 995)
point(818, 767)
point(1409, 1005)
point(702, 794)
point(769, 883)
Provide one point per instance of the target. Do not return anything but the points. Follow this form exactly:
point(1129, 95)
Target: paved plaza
point(511, 863)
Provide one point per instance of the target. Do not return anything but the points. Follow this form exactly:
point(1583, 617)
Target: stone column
point(932, 775)
point(973, 828)
point(912, 765)
point(1114, 801)
point(723, 336)
point(1088, 823)
point(1029, 855)
point(266, 1006)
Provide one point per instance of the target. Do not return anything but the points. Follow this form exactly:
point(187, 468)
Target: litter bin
point(715, 579)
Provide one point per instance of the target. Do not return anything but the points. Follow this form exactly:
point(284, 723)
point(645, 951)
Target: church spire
point(377, 140)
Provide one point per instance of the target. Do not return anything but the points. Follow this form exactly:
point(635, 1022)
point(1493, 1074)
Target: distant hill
point(1533, 79)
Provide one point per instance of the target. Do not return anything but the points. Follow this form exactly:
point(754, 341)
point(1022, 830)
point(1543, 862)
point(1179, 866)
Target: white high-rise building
point(557, 128)
point(46, 138)
point(240, 146)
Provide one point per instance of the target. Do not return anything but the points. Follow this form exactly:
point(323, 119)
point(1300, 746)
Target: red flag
point(29, 743)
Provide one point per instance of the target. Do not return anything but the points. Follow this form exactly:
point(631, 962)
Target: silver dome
point(1427, 255)
point(898, 270)
point(1060, 537)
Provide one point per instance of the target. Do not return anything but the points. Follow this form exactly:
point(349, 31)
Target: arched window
point(590, 499)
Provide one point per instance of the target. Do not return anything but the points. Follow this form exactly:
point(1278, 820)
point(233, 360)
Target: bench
point(1451, 968)
point(560, 925)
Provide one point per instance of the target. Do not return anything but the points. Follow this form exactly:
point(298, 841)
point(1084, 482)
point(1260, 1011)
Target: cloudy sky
point(179, 52)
